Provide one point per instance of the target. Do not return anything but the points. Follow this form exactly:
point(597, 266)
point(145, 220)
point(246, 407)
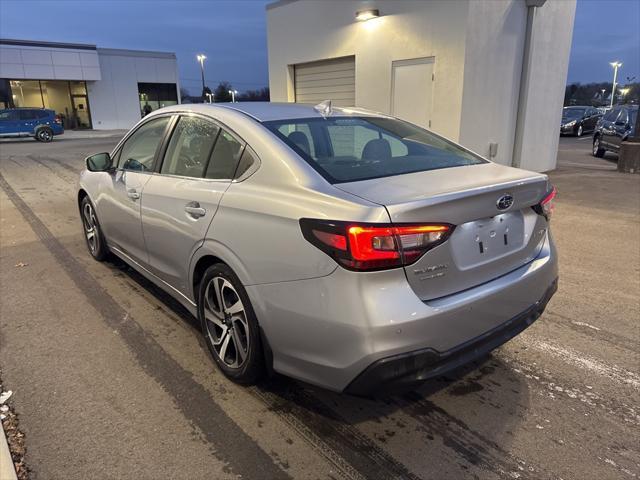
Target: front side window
point(139, 151)
point(8, 116)
point(623, 118)
point(190, 147)
point(225, 157)
point(350, 149)
point(612, 115)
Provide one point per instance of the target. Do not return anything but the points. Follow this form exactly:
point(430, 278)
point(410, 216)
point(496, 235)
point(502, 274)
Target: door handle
point(195, 210)
point(133, 194)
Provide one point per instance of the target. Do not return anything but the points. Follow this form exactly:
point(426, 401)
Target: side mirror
point(100, 162)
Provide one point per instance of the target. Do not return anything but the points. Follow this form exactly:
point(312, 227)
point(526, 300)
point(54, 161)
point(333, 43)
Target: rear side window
point(138, 152)
point(190, 147)
point(28, 115)
point(351, 149)
point(225, 157)
point(42, 114)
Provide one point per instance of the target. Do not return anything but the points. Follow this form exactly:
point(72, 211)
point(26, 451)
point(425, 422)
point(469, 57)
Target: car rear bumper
point(329, 330)
point(407, 369)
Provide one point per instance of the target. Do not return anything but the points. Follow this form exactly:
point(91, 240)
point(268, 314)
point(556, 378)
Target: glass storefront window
point(67, 98)
point(156, 95)
point(26, 93)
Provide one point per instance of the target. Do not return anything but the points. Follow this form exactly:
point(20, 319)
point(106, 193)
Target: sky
point(232, 34)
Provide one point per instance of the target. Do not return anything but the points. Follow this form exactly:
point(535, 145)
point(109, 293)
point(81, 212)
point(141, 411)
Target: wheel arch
point(212, 252)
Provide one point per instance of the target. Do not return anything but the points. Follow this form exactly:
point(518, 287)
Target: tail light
point(547, 204)
point(373, 246)
point(57, 119)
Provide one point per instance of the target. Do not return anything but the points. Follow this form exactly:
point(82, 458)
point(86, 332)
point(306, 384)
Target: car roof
point(267, 111)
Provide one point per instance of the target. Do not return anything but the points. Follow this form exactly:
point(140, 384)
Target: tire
point(92, 231)
point(232, 325)
point(44, 134)
point(579, 131)
point(597, 150)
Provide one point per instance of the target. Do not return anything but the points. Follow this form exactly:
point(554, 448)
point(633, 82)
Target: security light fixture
point(364, 15)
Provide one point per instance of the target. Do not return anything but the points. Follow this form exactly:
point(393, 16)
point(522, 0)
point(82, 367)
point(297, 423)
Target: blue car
point(39, 123)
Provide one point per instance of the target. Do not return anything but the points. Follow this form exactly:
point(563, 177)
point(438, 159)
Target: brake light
point(547, 205)
point(373, 246)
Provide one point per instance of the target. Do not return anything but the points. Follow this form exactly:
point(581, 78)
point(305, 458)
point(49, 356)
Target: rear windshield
point(348, 149)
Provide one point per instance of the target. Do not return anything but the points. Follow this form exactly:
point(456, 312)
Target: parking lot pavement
point(111, 379)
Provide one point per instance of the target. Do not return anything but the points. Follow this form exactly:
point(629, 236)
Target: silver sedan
point(342, 247)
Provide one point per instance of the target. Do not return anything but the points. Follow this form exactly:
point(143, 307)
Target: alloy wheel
point(580, 131)
point(44, 135)
point(90, 227)
point(226, 322)
point(596, 146)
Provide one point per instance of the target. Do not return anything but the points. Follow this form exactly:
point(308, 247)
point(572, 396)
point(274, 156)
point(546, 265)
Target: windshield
point(348, 149)
point(572, 113)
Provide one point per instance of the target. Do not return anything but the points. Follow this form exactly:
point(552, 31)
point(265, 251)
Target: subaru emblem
point(505, 202)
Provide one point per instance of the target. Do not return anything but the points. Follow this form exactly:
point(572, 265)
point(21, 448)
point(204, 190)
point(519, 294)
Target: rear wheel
point(229, 325)
point(597, 151)
point(92, 231)
point(44, 134)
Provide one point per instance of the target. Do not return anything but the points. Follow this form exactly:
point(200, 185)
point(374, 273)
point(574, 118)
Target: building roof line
point(279, 3)
point(34, 43)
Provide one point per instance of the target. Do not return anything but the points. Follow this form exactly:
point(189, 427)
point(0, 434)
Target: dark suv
point(39, 123)
point(614, 128)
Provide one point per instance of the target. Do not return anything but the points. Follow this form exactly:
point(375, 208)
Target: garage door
point(333, 80)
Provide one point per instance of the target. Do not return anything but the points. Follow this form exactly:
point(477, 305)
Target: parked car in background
point(614, 128)
point(579, 120)
point(342, 247)
point(39, 123)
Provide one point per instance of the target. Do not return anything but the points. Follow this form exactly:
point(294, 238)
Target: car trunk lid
point(487, 242)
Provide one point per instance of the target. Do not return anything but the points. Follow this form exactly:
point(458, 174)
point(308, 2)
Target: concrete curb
point(7, 471)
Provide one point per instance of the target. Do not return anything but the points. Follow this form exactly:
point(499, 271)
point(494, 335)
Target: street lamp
point(210, 97)
point(201, 58)
point(233, 94)
point(615, 66)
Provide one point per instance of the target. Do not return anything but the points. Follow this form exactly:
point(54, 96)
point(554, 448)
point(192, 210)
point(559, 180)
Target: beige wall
point(305, 31)
point(478, 48)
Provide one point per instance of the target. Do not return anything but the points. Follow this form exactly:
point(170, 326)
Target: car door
point(620, 128)
point(591, 120)
point(179, 203)
point(608, 127)
point(9, 122)
point(119, 203)
point(28, 121)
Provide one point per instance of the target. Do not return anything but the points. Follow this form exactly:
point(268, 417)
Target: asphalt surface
point(112, 380)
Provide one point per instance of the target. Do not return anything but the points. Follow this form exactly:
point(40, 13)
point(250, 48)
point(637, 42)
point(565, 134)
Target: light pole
point(210, 97)
point(233, 94)
point(615, 66)
point(201, 58)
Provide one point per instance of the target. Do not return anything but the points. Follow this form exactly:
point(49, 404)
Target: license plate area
point(488, 239)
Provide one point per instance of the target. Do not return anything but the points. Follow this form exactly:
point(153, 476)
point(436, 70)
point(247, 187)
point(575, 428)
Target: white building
point(488, 74)
point(89, 87)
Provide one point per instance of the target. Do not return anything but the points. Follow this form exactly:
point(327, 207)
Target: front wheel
point(597, 151)
point(579, 131)
point(92, 231)
point(44, 135)
point(229, 325)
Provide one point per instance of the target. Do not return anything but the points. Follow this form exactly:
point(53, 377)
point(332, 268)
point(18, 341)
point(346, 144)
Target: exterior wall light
point(364, 15)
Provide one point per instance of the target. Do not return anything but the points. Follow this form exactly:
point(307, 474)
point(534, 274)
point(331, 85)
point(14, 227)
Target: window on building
point(139, 151)
point(156, 95)
point(225, 157)
point(190, 147)
point(26, 93)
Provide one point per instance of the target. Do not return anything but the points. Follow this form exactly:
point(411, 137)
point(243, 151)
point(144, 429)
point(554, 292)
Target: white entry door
point(412, 90)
